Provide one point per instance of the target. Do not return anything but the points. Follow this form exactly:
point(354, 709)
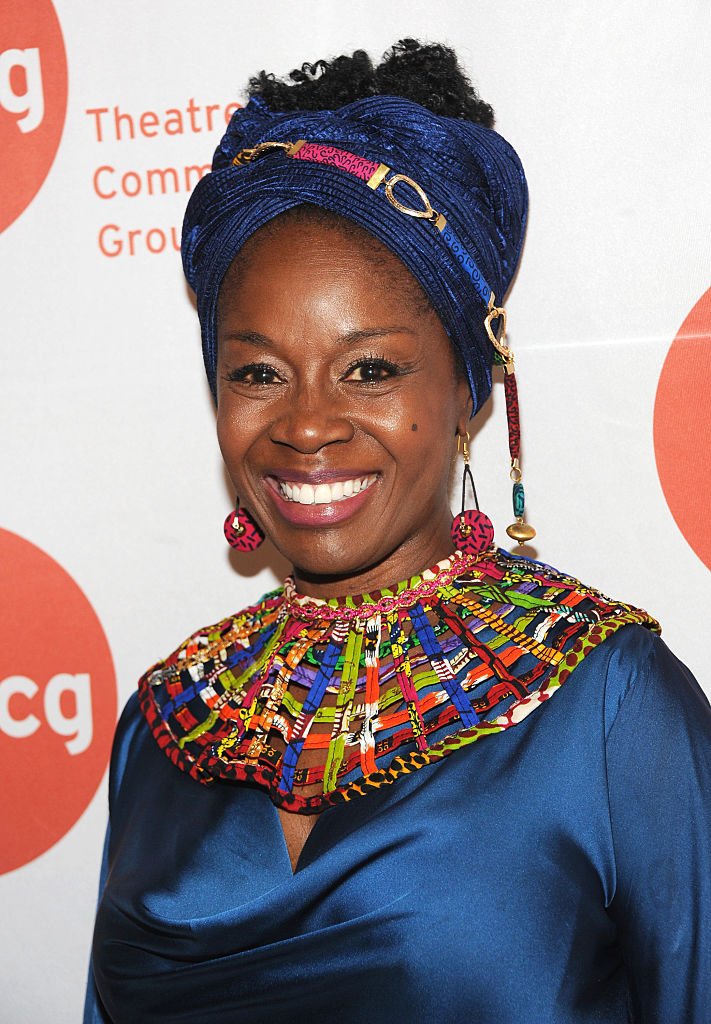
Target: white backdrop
point(110, 465)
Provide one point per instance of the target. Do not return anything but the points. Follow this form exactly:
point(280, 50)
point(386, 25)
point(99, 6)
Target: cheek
point(419, 436)
point(225, 430)
point(235, 432)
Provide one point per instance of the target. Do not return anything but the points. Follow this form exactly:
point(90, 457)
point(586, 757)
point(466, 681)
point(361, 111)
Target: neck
point(409, 559)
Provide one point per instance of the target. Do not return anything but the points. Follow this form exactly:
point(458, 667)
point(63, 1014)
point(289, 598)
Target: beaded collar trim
point(381, 602)
point(318, 702)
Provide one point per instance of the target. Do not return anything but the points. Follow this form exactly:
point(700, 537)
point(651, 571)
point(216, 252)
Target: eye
point(253, 374)
point(371, 370)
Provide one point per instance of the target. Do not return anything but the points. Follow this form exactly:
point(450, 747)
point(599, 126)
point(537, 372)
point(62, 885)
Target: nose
point(311, 420)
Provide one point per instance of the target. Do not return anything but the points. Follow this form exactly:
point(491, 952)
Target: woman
point(327, 836)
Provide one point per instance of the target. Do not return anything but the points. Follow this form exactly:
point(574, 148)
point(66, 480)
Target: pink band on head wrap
point(321, 154)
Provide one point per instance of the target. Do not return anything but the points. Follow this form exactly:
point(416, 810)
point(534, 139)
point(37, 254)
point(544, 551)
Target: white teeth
point(323, 494)
point(305, 495)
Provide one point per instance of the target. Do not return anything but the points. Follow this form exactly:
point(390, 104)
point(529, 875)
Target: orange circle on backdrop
point(57, 701)
point(682, 428)
point(33, 100)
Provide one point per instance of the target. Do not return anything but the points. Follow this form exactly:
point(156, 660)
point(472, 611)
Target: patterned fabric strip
point(322, 154)
point(442, 667)
point(346, 694)
point(403, 669)
point(372, 692)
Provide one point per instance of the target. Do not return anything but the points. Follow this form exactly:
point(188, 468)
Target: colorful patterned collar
point(318, 702)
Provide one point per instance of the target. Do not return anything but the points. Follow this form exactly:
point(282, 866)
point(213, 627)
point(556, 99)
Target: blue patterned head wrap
point(471, 177)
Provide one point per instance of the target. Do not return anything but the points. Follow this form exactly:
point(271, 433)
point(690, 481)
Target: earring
point(518, 530)
point(241, 531)
point(471, 530)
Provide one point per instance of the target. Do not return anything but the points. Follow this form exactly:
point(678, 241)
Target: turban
point(469, 193)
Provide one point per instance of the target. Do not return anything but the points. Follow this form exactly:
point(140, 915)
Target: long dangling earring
point(241, 531)
point(471, 531)
point(519, 530)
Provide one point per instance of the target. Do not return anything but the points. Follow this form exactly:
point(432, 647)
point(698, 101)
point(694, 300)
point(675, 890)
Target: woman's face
point(338, 406)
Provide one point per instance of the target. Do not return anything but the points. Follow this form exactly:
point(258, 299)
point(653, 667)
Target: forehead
point(308, 249)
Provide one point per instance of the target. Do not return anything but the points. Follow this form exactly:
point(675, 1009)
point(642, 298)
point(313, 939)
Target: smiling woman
point(304, 820)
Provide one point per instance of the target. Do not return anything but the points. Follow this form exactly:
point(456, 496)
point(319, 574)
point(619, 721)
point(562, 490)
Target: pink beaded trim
point(310, 609)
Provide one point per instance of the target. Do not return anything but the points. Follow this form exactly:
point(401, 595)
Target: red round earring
point(241, 531)
point(472, 531)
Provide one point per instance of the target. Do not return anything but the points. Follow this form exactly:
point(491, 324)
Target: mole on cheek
point(414, 426)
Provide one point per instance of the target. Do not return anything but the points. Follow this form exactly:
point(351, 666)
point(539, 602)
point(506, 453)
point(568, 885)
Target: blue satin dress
point(556, 873)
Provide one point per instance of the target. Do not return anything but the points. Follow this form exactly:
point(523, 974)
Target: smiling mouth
point(323, 493)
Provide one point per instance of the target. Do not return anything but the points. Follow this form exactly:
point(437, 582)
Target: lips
point(321, 498)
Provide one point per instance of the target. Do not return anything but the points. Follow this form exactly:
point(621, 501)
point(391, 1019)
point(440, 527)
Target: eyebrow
point(350, 338)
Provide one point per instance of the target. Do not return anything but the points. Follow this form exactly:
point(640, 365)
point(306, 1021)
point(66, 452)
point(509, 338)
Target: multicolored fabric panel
point(320, 702)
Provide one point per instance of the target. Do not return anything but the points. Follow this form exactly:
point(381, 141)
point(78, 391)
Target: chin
point(331, 556)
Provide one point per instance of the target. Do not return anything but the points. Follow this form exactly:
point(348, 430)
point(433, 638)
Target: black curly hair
point(428, 73)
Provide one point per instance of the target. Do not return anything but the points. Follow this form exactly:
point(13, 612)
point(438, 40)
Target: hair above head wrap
point(470, 175)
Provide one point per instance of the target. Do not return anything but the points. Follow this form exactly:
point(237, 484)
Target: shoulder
point(555, 609)
point(169, 676)
point(130, 732)
point(635, 667)
point(175, 695)
point(242, 630)
point(611, 644)
point(617, 655)
point(547, 585)
point(646, 685)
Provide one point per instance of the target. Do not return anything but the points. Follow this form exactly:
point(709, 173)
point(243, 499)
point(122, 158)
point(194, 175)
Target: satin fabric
point(559, 872)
